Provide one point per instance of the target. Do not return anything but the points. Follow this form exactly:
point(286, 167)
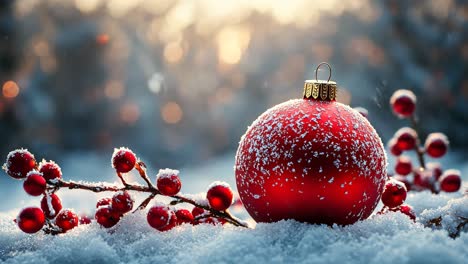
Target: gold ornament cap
point(320, 89)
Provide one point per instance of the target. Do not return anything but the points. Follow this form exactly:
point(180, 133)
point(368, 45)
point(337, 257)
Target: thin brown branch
point(103, 187)
point(122, 178)
point(140, 166)
point(417, 147)
point(145, 202)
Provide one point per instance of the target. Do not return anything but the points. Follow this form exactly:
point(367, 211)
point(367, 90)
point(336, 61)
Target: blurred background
point(179, 81)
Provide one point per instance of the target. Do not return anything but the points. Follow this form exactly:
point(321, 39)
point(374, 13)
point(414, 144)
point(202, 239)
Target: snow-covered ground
point(389, 238)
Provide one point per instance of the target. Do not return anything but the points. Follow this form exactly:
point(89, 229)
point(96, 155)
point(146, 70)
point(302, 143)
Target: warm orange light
point(171, 113)
point(129, 113)
point(114, 89)
point(10, 89)
point(173, 52)
point(102, 39)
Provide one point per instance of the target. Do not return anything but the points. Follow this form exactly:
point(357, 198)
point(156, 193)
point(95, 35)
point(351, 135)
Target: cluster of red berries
point(21, 164)
point(45, 179)
point(428, 176)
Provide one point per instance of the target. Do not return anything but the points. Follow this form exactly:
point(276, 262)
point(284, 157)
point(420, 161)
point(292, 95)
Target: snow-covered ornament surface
point(312, 159)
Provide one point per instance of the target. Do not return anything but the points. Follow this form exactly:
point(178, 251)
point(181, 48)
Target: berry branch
point(417, 147)
point(46, 179)
point(426, 176)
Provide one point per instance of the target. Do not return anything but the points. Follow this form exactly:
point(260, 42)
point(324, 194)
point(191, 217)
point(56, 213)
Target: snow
point(389, 238)
point(167, 173)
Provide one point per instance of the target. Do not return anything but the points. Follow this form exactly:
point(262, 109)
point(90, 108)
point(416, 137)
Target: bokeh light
point(10, 89)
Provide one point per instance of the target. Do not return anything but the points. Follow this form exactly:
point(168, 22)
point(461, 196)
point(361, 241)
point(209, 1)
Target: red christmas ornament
point(313, 160)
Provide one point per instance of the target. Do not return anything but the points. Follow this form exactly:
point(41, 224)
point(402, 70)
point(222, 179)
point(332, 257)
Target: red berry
point(436, 145)
point(403, 165)
point(406, 138)
point(196, 211)
point(66, 220)
point(212, 221)
point(34, 184)
point(219, 196)
point(450, 181)
point(85, 220)
point(435, 168)
point(103, 202)
point(123, 160)
point(30, 220)
point(107, 217)
point(404, 180)
point(362, 111)
point(184, 216)
point(422, 180)
point(403, 103)
point(237, 202)
point(168, 182)
point(50, 170)
point(122, 202)
point(51, 205)
point(161, 218)
point(394, 193)
point(393, 146)
point(19, 162)
point(405, 209)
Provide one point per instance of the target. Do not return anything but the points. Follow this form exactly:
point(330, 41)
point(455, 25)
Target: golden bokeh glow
point(232, 42)
point(171, 113)
point(10, 89)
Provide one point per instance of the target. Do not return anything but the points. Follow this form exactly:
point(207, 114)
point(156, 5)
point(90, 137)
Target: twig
point(140, 166)
point(103, 187)
point(145, 202)
point(417, 146)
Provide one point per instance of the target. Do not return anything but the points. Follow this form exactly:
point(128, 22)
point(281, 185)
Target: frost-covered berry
point(422, 179)
point(394, 193)
point(197, 211)
point(184, 216)
point(107, 217)
point(34, 184)
point(436, 145)
point(403, 165)
point(30, 220)
point(122, 202)
point(161, 218)
point(66, 220)
point(405, 209)
point(362, 111)
point(104, 202)
point(403, 103)
point(85, 220)
point(18, 163)
point(51, 205)
point(406, 138)
point(450, 181)
point(404, 180)
point(50, 170)
point(168, 182)
point(123, 160)
point(212, 221)
point(435, 168)
point(219, 196)
point(393, 146)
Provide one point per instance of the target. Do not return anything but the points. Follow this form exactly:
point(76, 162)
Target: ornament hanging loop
point(329, 70)
point(320, 90)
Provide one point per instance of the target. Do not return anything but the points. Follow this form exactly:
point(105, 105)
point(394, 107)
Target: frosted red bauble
point(312, 161)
